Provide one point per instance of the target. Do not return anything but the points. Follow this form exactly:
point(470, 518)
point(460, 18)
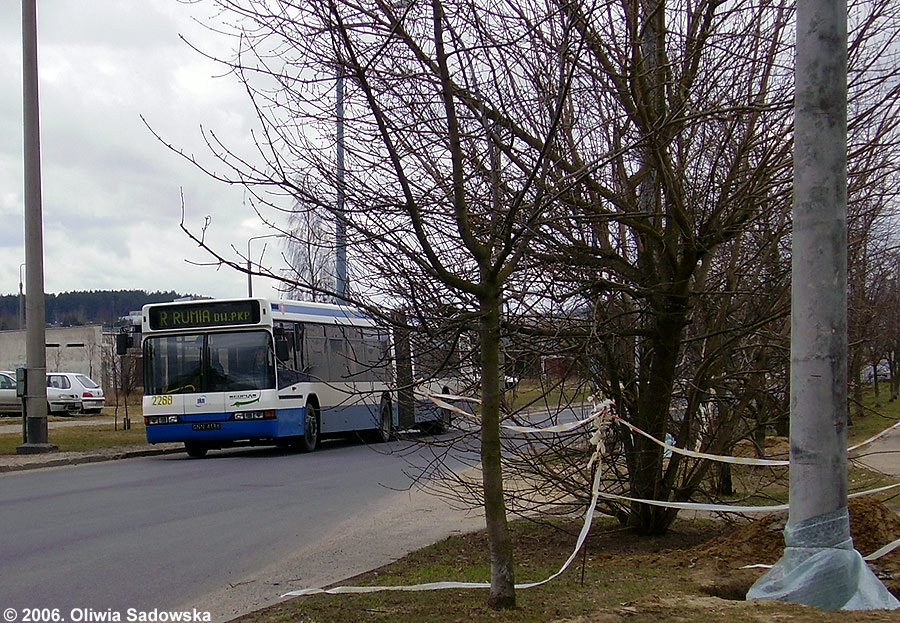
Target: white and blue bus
point(217, 372)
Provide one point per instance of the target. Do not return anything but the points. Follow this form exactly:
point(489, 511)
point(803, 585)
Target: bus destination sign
point(204, 314)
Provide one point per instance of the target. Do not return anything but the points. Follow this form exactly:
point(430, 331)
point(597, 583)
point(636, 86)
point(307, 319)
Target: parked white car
point(62, 397)
point(92, 398)
point(67, 392)
point(88, 394)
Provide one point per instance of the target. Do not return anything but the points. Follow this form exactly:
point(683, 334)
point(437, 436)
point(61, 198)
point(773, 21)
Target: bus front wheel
point(310, 438)
point(195, 450)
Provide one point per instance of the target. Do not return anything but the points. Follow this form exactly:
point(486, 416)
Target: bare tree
point(442, 200)
point(674, 237)
point(310, 255)
point(609, 181)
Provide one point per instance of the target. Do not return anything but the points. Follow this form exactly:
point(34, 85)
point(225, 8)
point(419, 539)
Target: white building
point(69, 349)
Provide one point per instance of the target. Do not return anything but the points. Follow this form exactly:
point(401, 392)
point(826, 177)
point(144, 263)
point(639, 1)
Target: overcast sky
point(111, 191)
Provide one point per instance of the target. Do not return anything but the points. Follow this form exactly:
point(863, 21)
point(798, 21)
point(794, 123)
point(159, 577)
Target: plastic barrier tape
point(432, 586)
point(600, 418)
point(737, 460)
point(873, 438)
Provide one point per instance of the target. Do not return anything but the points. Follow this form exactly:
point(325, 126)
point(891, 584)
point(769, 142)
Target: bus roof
point(212, 313)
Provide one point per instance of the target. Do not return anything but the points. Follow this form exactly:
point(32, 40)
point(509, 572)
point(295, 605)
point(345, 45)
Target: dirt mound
point(872, 525)
point(718, 562)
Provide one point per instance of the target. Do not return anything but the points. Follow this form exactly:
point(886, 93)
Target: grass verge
point(620, 578)
point(73, 434)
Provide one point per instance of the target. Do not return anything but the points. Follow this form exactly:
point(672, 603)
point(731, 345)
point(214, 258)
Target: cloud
point(112, 193)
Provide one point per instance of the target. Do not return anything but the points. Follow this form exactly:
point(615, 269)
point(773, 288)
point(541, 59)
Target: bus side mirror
point(20, 382)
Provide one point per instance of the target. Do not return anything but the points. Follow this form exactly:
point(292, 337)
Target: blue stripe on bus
point(344, 312)
point(289, 423)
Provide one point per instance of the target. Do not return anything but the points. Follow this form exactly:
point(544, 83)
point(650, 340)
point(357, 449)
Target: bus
point(258, 371)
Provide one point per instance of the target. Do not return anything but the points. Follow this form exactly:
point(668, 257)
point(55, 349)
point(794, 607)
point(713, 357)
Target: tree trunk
point(652, 416)
point(502, 594)
point(875, 384)
point(855, 374)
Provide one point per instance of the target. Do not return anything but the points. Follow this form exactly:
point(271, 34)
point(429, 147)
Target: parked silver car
point(9, 402)
point(62, 398)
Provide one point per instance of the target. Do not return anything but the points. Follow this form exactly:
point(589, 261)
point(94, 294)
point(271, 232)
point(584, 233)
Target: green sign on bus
point(204, 314)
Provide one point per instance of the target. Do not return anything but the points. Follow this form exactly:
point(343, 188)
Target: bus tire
point(385, 430)
point(311, 427)
point(440, 425)
point(195, 450)
point(443, 425)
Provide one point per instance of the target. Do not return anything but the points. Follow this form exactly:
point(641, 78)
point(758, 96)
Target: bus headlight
point(254, 415)
point(152, 420)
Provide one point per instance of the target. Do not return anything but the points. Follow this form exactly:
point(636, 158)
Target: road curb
point(22, 462)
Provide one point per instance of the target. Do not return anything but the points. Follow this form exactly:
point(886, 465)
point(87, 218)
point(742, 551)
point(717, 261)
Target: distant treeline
point(83, 308)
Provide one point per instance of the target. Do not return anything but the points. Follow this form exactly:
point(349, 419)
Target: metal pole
point(21, 299)
point(818, 472)
point(340, 237)
point(249, 268)
point(819, 566)
point(36, 358)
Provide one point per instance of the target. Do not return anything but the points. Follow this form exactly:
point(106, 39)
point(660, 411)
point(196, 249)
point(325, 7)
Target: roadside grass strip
point(601, 419)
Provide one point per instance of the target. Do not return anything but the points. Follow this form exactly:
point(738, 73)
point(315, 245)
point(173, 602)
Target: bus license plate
point(207, 426)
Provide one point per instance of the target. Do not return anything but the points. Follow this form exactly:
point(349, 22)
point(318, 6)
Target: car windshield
point(209, 362)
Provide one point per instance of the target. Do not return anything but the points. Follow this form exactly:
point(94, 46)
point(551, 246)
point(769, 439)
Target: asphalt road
point(227, 533)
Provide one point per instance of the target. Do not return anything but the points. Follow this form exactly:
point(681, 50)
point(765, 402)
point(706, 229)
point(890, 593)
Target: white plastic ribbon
point(601, 417)
point(736, 460)
point(882, 551)
point(433, 586)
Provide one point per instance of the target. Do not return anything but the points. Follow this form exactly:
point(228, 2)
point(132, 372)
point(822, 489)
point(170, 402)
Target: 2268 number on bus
point(161, 401)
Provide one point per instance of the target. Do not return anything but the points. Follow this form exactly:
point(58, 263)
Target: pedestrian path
point(15, 424)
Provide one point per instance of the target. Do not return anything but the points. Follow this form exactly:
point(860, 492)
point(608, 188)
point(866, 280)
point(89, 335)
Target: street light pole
point(35, 407)
point(340, 237)
point(249, 261)
point(819, 566)
point(21, 299)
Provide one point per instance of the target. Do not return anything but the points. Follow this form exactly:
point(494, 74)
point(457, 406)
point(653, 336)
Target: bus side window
point(378, 346)
point(316, 359)
point(287, 354)
point(338, 362)
point(355, 352)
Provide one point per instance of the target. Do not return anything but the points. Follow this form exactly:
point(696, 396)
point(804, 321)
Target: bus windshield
point(208, 362)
